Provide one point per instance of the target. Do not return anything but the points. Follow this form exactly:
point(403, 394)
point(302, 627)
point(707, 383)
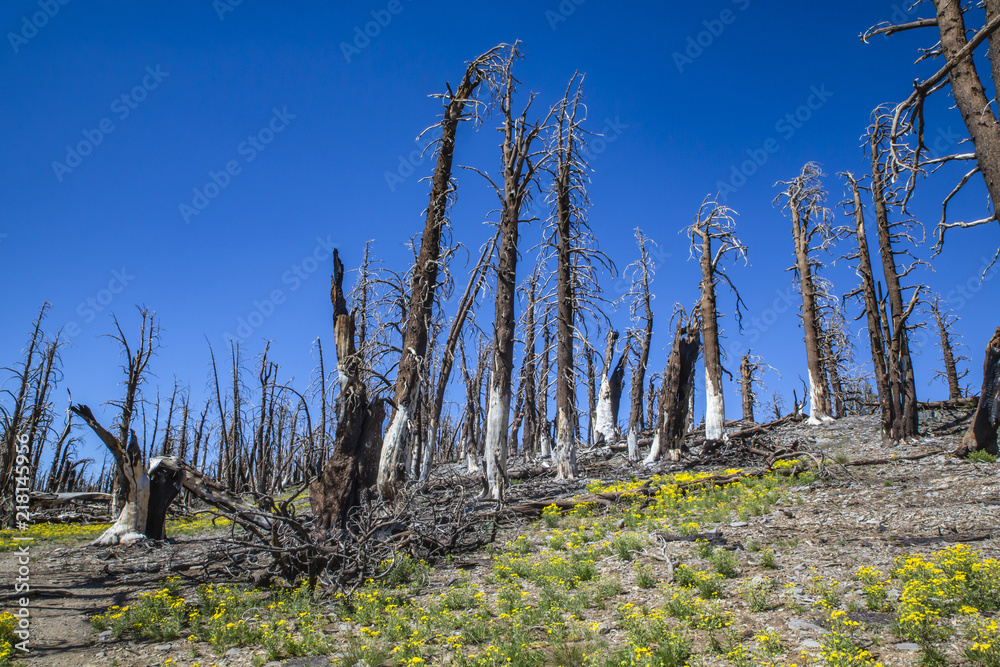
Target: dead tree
point(982, 433)
point(945, 323)
point(530, 439)
point(351, 466)
point(576, 252)
point(714, 225)
point(959, 75)
point(133, 478)
point(609, 396)
point(678, 382)
point(520, 165)
point(425, 271)
point(812, 231)
point(15, 421)
point(752, 367)
point(872, 308)
point(465, 305)
point(891, 236)
point(641, 309)
point(544, 434)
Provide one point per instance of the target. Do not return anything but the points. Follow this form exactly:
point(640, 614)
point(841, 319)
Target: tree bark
point(350, 468)
point(424, 282)
point(678, 382)
point(982, 433)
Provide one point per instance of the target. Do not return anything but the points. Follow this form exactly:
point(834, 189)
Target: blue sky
point(291, 121)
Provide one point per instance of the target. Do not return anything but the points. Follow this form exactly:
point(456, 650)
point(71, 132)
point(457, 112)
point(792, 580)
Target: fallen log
point(968, 402)
point(762, 428)
point(41, 499)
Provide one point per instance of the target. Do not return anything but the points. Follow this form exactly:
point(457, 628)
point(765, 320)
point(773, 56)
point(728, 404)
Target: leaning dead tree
point(641, 309)
point(956, 44)
point(982, 433)
point(713, 238)
point(946, 320)
point(812, 231)
point(520, 165)
point(485, 69)
point(465, 305)
point(872, 308)
point(678, 383)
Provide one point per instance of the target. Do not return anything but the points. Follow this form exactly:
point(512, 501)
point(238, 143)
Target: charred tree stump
point(678, 382)
point(982, 433)
point(164, 485)
point(350, 468)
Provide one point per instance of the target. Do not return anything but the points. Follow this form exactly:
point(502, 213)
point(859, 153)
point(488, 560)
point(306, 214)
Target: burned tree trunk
point(606, 419)
point(544, 432)
point(904, 391)
point(982, 433)
point(530, 438)
point(349, 470)
point(448, 354)
point(678, 382)
point(643, 301)
point(519, 174)
point(945, 323)
point(425, 274)
point(746, 385)
point(804, 197)
point(569, 199)
point(872, 310)
point(714, 223)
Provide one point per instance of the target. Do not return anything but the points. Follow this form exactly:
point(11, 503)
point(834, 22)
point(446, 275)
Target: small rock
point(738, 524)
point(799, 624)
point(232, 653)
point(811, 643)
point(312, 661)
point(163, 647)
point(907, 646)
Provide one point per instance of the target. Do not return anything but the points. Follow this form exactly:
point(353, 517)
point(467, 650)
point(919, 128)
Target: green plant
point(757, 593)
point(724, 563)
point(981, 457)
point(643, 577)
point(626, 546)
point(703, 548)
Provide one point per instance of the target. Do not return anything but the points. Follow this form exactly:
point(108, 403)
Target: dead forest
point(442, 384)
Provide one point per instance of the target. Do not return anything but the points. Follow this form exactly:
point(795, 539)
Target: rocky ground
point(823, 531)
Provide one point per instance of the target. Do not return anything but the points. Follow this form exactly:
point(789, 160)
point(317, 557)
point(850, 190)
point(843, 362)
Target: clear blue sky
point(169, 93)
